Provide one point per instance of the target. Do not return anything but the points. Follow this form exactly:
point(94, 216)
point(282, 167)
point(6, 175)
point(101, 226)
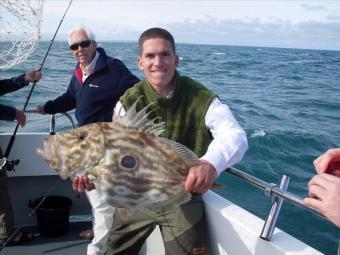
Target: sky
point(270, 23)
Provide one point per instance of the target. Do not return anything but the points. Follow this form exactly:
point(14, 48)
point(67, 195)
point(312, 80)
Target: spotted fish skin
point(143, 170)
point(126, 159)
point(74, 151)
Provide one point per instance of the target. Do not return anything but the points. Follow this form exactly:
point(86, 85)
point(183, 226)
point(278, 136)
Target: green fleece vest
point(184, 113)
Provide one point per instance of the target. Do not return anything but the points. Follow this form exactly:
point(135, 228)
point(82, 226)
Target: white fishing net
point(20, 23)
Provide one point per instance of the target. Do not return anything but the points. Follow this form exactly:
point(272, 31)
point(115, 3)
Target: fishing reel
point(7, 165)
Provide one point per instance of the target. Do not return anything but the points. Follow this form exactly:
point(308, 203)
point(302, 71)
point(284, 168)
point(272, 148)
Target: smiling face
point(158, 61)
point(83, 55)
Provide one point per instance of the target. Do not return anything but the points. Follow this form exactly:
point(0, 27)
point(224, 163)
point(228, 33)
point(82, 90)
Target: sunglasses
point(83, 44)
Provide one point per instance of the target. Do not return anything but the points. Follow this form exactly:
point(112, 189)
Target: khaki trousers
point(183, 230)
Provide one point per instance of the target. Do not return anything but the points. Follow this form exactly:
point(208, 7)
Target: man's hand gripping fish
point(126, 159)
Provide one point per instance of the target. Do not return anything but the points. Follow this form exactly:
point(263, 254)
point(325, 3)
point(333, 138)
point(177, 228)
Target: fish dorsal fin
point(188, 155)
point(139, 120)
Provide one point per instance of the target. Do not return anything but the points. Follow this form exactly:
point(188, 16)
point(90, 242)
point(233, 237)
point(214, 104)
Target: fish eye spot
point(128, 162)
point(82, 136)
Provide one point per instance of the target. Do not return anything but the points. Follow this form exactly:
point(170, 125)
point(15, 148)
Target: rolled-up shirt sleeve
point(229, 142)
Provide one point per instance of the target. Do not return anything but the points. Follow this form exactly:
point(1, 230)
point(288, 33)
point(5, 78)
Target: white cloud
point(306, 24)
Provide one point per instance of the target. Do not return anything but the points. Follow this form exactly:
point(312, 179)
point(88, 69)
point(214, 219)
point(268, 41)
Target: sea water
point(287, 100)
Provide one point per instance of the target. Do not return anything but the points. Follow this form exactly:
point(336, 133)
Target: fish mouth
point(42, 154)
point(46, 152)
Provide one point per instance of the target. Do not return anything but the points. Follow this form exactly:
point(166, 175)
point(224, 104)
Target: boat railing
point(52, 122)
point(278, 193)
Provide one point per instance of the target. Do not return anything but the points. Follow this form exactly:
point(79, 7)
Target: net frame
point(20, 30)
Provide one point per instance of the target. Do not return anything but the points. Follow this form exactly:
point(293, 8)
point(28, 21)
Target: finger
point(88, 184)
point(206, 183)
point(189, 185)
point(319, 180)
point(330, 178)
point(37, 76)
point(78, 184)
point(209, 183)
point(196, 188)
point(22, 120)
point(313, 203)
point(316, 191)
point(202, 184)
point(321, 164)
point(75, 183)
point(204, 188)
point(91, 186)
point(81, 186)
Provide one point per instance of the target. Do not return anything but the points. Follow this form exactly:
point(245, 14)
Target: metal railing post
point(52, 122)
point(270, 223)
point(52, 125)
point(274, 190)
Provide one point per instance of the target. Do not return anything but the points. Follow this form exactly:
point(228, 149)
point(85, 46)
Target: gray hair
point(84, 29)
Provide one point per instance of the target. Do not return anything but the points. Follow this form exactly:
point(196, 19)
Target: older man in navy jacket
point(95, 87)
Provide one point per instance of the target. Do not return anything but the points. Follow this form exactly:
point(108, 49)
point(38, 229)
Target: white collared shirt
point(89, 69)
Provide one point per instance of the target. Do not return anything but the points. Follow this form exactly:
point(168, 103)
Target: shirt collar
point(90, 68)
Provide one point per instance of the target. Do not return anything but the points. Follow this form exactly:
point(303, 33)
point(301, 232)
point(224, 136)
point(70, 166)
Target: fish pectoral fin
point(188, 155)
point(98, 173)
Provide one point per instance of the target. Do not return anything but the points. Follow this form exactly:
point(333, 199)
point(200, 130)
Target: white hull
point(232, 230)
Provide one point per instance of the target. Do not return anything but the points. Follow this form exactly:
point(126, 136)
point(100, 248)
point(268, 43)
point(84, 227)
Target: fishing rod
point(11, 142)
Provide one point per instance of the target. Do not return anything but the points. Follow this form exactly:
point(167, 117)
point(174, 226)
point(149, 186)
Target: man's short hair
point(156, 32)
point(88, 32)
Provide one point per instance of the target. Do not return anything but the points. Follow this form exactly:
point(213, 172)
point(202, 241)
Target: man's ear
point(140, 63)
point(176, 60)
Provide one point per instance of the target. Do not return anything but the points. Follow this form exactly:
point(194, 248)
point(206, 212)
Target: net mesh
point(20, 23)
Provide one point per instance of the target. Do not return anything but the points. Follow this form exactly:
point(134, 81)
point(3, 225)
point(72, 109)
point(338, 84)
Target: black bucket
point(53, 215)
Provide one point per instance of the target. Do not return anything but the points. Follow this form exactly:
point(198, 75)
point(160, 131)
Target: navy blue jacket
point(94, 99)
point(6, 86)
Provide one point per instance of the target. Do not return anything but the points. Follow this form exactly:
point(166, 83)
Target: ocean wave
point(258, 133)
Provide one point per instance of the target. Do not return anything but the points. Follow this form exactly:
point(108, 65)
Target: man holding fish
point(145, 162)
point(194, 117)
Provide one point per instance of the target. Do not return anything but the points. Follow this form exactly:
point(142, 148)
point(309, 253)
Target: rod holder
point(52, 125)
point(270, 223)
point(52, 122)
